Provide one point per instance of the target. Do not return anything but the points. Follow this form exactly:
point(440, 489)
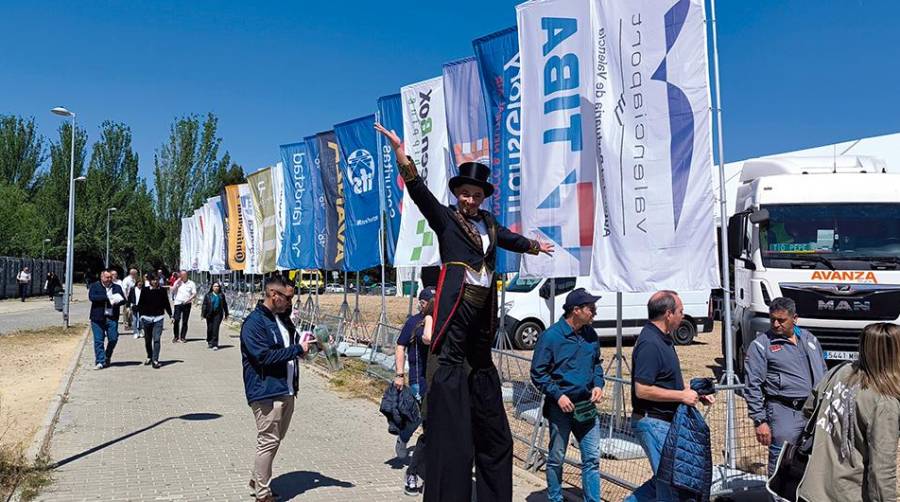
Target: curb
point(42, 436)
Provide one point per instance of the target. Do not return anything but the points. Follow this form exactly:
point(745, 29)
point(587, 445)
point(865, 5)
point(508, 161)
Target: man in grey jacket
point(782, 367)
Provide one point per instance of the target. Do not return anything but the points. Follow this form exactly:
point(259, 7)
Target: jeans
point(651, 432)
point(152, 334)
point(135, 321)
point(23, 291)
point(181, 314)
point(588, 436)
point(212, 329)
point(108, 329)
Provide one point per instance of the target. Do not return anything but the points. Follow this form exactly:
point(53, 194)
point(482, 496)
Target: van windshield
point(522, 284)
point(857, 231)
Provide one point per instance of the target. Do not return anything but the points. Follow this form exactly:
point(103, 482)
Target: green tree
point(21, 151)
point(20, 236)
point(186, 170)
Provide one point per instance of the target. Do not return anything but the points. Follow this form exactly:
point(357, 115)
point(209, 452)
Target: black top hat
point(473, 173)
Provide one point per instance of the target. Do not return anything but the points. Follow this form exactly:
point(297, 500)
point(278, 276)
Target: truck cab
point(528, 310)
point(823, 231)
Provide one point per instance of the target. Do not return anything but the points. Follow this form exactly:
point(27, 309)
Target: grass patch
point(72, 330)
point(352, 379)
point(17, 472)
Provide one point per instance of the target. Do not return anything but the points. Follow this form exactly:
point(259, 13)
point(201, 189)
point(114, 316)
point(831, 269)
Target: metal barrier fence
point(10, 268)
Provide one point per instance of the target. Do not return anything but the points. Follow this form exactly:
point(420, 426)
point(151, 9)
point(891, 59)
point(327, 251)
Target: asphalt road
point(37, 312)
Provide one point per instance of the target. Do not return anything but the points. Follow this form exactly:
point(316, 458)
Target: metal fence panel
point(10, 267)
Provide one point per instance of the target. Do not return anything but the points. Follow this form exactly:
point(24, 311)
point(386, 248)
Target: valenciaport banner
point(558, 135)
point(356, 139)
point(252, 238)
point(498, 61)
point(425, 139)
point(261, 187)
point(278, 184)
point(333, 185)
point(320, 217)
point(656, 228)
point(216, 229)
point(235, 244)
point(390, 115)
point(299, 247)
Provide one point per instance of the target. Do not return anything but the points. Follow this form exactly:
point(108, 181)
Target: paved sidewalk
point(184, 432)
point(37, 312)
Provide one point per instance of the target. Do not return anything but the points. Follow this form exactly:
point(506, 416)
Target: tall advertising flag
point(320, 206)
point(185, 245)
point(252, 239)
point(653, 105)
point(390, 113)
point(333, 185)
point(280, 216)
point(467, 125)
point(264, 210)
point(299, 248)
point(498, 62)
point(236, 246)
point(425, 138)
point(558, 137)
point(357, 142)
point(217, 234)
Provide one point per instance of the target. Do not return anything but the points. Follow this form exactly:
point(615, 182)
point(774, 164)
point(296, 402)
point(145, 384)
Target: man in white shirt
point(24, 279)
point(183, 293)
point(127, 286)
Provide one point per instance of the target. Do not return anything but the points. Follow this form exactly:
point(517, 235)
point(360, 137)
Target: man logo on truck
point(844, 306)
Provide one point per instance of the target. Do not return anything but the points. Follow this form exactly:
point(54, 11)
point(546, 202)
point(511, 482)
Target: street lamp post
point(108, 211)
point(70, 232)
point(44, 248)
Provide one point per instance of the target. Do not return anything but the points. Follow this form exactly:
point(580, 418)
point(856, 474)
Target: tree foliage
point(21, 151)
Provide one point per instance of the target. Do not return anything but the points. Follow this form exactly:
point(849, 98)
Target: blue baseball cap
point(578, 297)
point(427, 294)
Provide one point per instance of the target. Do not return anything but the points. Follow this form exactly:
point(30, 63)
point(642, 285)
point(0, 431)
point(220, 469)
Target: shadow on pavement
point(189, 417)
point(396, 463)
point(163, 364)
point(225, 347)
point(297, 483)
point(124, 363)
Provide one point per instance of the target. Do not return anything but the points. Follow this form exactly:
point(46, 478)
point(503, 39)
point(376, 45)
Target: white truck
point(528, 310)
point(823, 231)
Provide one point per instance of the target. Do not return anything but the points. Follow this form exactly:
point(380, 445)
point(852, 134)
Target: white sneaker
point(99, 366)
point(136, 335)
point(411, 487)
point(400, 449)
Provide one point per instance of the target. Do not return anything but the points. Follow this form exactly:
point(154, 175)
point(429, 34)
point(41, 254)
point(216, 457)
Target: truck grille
point(836, 339)
point(853, 302)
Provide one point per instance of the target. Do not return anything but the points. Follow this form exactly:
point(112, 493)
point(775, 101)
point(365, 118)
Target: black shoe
point(411, 487)
point(174, 340)
point(106, 364)
point(156, 365)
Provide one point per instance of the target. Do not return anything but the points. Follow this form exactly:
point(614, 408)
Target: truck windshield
point(522, 284)
point(858, 232)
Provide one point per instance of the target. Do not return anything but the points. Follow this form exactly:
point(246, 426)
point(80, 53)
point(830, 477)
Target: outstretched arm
point(509, 240)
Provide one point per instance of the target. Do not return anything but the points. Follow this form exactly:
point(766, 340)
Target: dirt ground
point(31, 368)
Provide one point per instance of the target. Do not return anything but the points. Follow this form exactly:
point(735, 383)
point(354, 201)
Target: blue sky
point(794, 73)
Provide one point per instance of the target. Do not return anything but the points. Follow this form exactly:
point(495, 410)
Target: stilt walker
point(466, 419)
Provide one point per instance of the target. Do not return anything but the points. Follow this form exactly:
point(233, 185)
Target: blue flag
point(390, 115)
point(356, 139)
point(298, 250)
point(319, 204)
point(498, 61)
point(333, 188)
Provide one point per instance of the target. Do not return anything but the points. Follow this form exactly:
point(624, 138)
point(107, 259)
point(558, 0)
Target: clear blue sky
point(795, 73)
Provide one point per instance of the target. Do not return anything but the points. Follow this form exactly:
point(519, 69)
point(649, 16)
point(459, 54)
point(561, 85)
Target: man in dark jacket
point(106, 298)
point(464, 406)
point(269, 353)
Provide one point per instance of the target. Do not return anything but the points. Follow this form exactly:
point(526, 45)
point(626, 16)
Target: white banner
point(205, 244)
point(196, 240)
point(252, 235)
point(425, 138)
point(215, 225)
point(185, 244)
point(558, 176)
point(655, 229)
point(280, 214)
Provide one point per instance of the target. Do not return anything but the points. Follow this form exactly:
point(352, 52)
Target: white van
point(528, 310)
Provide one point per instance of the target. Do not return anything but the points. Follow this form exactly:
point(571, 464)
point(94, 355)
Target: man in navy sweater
point(106, 298)
point(269, 352)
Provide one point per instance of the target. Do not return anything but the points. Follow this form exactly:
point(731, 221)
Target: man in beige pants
point(269, 352)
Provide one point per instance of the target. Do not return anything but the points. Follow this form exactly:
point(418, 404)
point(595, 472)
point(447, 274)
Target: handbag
point(585, 411)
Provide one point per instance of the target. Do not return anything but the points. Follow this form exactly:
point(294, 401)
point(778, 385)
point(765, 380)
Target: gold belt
point(477, 296)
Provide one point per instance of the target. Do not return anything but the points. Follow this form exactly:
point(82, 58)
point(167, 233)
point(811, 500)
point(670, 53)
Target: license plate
point(841, 355)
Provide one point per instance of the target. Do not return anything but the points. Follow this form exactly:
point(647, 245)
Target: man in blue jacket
point(566, 367)
point(106, 298)
point(269, 352)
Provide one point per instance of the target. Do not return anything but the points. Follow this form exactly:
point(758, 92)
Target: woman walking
point(854, 455)
point(134, 297)
point(153, 303)
point(214, 309)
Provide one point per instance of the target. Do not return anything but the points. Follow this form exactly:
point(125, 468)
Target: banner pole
point(382, 232)
point(345, 306)
point(726, 279)
point(411, 293)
